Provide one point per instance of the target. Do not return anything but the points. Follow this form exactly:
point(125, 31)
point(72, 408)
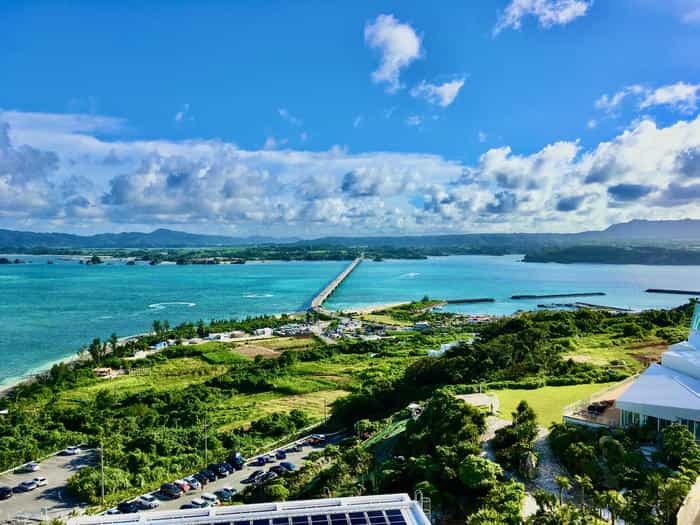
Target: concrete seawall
point(318, 300)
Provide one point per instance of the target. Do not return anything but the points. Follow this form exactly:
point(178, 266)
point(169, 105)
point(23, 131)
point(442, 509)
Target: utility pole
point(206, 435)
point(102, 471)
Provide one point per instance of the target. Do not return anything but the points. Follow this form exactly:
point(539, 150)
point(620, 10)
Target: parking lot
point(235, 479)
point(50, 501)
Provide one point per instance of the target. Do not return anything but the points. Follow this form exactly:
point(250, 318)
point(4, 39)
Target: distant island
point(635, 242)
point(652, 255)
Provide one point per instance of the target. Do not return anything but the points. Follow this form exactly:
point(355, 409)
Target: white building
point(392, 509)
point(669, 392)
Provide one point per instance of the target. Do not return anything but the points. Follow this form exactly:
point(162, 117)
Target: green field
point(547, 402)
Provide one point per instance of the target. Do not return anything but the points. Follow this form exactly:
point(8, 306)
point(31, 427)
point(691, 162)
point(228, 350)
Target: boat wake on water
point(163, 306)
point(249, 295)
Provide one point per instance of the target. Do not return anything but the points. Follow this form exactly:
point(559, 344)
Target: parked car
point(71, 451)
point(147, 501)
point(259, 461)
point(202, 478)
point(170, 490)
point(29, 467)
point(26, 486)
point(112, 511)
point(199, 503)
point(127, 507)
point(270, 458)
point(185, 506)
point(211, 499)
point(193, 482)
point(227, 466)
point(288, 465)
point(268, 476)
point(293, 448)
point(254, 477)
point(281, 454)
point(237, 460)
point(278, 469)
point(218, 470)
point(226, 493)
point(209, 474)
point(40, 481)
point(5, 492)
point(183, 485)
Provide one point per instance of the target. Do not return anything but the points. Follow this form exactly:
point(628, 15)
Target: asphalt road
point(234, 479)
point(53, 499)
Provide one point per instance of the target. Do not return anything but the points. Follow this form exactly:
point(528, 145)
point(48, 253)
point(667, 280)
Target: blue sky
point(311, 118)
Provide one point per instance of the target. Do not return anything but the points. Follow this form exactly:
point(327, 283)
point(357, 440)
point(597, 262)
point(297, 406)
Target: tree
point(113, 340)
point(614, 502)
point(514, 444)
point(563, 483)
point(677, 442)
point(157, 327)
point(479, 473)
point(584, 484)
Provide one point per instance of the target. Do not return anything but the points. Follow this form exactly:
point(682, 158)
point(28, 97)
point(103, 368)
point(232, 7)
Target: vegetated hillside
point(649, 232)
point(161, 238)
point(617, 255)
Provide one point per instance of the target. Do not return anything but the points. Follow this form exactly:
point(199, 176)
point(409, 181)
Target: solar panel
point(280, 521)
point(339, 519)
point(261, 522)
point(246, 522)
point(358, 518)
point(319, 519)
point(300, 520)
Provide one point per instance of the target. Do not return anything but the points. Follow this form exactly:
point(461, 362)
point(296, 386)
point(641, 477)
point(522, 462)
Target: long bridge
point(323, 295)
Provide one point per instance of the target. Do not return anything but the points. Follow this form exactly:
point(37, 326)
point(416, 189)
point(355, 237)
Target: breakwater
point(320, 298)
point(675, 292)
point(471, 301)
point(557, 295)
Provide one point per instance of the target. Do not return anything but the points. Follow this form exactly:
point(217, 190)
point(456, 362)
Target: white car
point(196, 485)
point(147, 501)
point(211, 499)
point(199, 503)
point(40, 481)
point(30, 467)
point(72, 451)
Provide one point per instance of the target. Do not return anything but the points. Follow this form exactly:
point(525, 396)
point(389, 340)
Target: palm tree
point(113, 340)
point(564, 484)
point(584, 483)
point(615, 502)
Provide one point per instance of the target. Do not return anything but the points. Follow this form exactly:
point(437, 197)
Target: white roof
point(663, 393)
point(392, 509)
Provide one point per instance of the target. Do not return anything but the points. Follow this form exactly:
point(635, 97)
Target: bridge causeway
point(323, 295)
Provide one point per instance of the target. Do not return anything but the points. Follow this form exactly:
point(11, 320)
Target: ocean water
point(472, 276)
point(47, 312)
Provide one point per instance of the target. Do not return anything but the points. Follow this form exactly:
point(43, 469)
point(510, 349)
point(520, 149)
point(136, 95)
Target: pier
point(558, 295)
point(677, 292)
point(323, 295)
point(471, 300)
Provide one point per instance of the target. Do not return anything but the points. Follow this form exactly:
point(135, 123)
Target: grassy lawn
point(287, 343)
point(603, 349)
point(384, 318)
point(547, 402)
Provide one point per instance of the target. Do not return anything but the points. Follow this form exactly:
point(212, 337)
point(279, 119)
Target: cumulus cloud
point(286, 115)
point(61, 177)
point(439, 94)
point(414, 120)
point(398, 45)
point(548, 13)
point(680, 96)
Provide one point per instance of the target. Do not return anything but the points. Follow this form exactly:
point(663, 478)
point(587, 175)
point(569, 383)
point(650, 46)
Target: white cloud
point(182, 114)
point(210, 185)
point(398, 45)
point(286, 115)
point(440, 94)
point(680, 96)
point(592, 123)
point(357, 121)
point(482, 136)
point(413, 120)
point(548, 13)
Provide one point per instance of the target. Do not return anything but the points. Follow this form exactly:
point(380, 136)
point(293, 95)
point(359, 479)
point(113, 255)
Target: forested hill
point(161, 238)
point(637, 232)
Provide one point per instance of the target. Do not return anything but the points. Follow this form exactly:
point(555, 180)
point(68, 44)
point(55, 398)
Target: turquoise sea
point(48, 311)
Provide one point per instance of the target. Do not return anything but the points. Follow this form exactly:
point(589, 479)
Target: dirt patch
point(646, 354)
point(254, 351)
